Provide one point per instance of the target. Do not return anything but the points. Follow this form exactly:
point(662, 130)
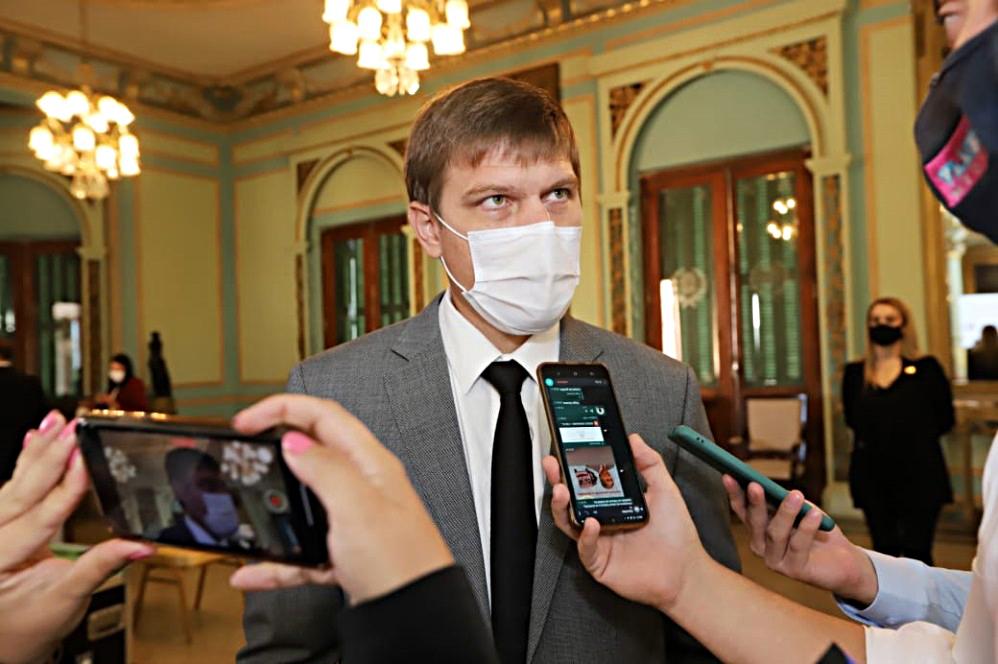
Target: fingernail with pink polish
point(139, 555)
point(68, 431)
point(294, 442)
point(49, 422)
point(28, 436)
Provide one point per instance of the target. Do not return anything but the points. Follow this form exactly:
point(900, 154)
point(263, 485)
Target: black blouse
point(896, 451)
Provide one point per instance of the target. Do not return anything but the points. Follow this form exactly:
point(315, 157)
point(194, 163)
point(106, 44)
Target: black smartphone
point(200, 484)
point(590, 440)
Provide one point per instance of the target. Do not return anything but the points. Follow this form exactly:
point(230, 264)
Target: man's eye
point(562, 194)
point(495, 201)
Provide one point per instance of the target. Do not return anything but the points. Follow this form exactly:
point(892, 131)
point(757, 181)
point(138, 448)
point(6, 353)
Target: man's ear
point(426, 228)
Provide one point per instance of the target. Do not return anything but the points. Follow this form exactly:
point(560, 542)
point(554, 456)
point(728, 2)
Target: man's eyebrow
point(490, 189)
point(570, 181)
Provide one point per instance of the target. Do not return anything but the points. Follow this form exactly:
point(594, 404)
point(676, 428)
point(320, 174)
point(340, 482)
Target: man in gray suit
point(492, 173)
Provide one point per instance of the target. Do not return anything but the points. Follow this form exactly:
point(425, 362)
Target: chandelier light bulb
point(447, 39)
point(417, 25)
point(394, 47)
point(105, 158)
point(123, 117)
point(129, 167)
point(369, 23)
point(457, 14)
point(390, 6)
point(40, 139)
point(128, 145)
point(335, 11)
point(52, 104)
point(370, 55)
point(83, 138)
point(98, 122)
point(417, 57)
point(77, 104)
point(408, 80)
point(343, 37)
point(108, 107)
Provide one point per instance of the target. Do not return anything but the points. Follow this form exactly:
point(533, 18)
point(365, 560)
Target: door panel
point(730, 283)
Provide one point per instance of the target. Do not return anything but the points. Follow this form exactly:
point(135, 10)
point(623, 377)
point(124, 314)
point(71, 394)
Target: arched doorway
point(728, 242)
point(41, 289)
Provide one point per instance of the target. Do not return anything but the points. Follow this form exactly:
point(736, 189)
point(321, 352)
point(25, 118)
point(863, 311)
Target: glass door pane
point(394, 275)
point(769, 280)
point(348, 258)
point(686, 266)
point(57, 294)
point(7, 320)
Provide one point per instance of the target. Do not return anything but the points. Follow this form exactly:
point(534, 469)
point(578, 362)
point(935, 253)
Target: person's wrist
point(862, 589)
point(697, 569)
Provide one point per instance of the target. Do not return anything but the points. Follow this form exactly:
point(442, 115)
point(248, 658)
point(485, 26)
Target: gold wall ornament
point(391, 36)
point(812, 57)
point(621, 98)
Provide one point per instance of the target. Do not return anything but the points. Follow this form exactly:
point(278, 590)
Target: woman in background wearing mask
point(125, 390)
point(898, 404)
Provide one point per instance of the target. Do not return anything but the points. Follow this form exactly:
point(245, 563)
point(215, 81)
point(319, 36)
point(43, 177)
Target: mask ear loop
point(444, 262)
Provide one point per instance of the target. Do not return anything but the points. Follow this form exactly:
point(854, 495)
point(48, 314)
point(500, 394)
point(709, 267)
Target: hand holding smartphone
point(587, 430)
point(200, 484)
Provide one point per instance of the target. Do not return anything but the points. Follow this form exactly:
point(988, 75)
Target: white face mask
point(220, 514)
point(525, 276)
point(117, 376)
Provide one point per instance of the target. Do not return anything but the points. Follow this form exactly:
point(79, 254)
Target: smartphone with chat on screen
point(591, 445)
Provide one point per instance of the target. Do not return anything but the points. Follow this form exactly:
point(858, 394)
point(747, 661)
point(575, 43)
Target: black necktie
point(514, 524)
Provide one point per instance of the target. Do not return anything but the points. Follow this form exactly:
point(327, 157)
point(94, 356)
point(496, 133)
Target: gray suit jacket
point(396, 381)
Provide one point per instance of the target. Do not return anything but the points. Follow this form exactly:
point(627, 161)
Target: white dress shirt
point(469, 353)
point(975, 639)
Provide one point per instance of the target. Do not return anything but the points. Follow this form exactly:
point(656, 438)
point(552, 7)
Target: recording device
point(725, 462)
point(591, 444)
point(200, 484)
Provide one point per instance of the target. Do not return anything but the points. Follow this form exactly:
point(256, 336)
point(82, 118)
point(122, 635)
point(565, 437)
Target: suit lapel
point(577, 345)
point(430, 447)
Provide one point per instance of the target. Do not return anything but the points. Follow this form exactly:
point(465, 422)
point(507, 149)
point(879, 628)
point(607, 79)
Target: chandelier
point(85, 137)
point(391, 36)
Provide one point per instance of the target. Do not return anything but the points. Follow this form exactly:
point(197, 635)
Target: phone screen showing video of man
point(595, 453)
point(227, 495)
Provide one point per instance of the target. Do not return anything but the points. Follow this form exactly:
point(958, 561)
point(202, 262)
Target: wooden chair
point(172, 565)
point(775, 444)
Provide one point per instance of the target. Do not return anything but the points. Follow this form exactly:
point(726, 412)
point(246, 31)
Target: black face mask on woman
point(885, 335)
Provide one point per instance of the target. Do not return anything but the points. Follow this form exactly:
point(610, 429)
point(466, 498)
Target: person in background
point(982, 359)
point(125, 390)
point(22, 405)
point(898, 404)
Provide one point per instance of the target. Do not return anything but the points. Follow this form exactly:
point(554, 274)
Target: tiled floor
point(159, 638)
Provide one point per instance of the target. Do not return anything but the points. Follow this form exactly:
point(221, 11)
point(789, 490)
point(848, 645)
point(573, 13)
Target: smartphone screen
point(592, 443)
point(208, 491)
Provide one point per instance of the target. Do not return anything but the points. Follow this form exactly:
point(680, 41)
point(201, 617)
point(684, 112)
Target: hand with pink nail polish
point(380, 534)
point(42, 598)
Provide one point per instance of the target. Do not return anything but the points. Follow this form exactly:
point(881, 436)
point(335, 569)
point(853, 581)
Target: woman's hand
point(42, 598)
point(651, 564)
point(380, 534)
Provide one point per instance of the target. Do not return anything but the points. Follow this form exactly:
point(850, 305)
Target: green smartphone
point(725, 462)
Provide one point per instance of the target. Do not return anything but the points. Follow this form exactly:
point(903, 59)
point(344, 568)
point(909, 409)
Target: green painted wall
point(30, 209)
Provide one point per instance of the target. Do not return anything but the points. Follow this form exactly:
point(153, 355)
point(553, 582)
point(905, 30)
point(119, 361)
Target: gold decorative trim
point(835, 317)
point(302, 171)
point(621, 98)
point(811, 57)
point(300, 304)
point(95, 359)
point(618, 275)
point(399, 146)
